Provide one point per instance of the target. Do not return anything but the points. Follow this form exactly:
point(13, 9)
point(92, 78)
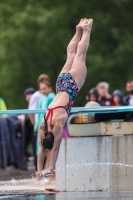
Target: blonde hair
point(103, 84)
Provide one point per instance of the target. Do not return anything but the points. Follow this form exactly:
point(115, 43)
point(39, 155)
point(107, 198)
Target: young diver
point(68, 85)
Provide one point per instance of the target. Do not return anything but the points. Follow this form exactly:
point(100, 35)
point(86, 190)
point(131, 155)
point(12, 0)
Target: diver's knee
point(70, 54)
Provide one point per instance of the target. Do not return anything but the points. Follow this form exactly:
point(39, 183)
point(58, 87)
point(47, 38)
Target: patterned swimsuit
point(65, 83)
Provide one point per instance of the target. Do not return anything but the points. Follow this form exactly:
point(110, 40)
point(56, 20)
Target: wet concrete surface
point(15, 173)
point(25, 188)
point(17, 181)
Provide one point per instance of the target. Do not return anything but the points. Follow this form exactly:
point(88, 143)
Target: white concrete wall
point(121, 178)
point(72, 174)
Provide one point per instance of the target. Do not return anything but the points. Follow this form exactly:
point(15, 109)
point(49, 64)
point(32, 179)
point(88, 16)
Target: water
point(83, 164)
point(72, 196)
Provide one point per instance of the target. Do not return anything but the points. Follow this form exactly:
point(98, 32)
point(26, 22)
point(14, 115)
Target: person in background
point(117, 98)
point(92, 95)
point(33, 105)
point(28, 93)
point(38, 95)
point(44, 103)
point(3, 107)
point(128, 100)
point(105, 98)
point(28, 127)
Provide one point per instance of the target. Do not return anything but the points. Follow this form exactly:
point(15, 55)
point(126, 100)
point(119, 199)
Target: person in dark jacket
point(117, 98)
point(11, 143)
point(28, 127)
point(128, 100)
point(28, 93)
point(92, 95)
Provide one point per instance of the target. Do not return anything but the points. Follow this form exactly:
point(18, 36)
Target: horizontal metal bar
point(102, 109)
point(22, 111)
point(81, 110)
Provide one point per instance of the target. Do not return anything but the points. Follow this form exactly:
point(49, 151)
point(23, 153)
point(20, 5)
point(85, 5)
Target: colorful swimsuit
point(65, 83)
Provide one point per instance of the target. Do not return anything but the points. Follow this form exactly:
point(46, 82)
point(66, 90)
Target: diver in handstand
point(68, 84)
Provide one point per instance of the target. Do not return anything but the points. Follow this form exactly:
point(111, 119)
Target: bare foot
point(79, 26)
point(87, 24)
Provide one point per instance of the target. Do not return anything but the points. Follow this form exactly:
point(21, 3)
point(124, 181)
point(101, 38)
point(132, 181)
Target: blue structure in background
point(99, 110)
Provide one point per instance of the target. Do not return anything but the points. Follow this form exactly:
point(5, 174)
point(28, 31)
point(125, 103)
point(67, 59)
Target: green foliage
point(34, 36)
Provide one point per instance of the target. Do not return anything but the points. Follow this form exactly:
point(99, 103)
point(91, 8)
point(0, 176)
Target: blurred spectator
point(3, 106)
point(33, 105)
point(28, 127)
point(11, 143)
point(44, 103)
point(37, 96)
point(117, 98)
point(92, 95)
point(104, 97)
point(28, 93)
point(128, 100)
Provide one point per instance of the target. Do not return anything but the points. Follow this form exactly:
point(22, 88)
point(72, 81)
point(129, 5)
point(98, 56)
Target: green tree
point(34, 36)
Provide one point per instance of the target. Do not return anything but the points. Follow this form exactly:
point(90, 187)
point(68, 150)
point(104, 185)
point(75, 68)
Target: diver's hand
point(45, 173)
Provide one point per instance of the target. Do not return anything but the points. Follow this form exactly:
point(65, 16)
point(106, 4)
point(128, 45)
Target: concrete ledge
point(103, 128)
point(95, 164)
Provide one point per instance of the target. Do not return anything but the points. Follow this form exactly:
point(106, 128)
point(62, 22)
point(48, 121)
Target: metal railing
point(80, 110)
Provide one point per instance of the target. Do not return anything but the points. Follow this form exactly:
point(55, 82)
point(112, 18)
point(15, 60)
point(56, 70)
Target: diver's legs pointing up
point(72, 48)
point(78, 69)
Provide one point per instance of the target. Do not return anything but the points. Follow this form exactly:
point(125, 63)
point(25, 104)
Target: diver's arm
point(41, 155)
point(55, 150)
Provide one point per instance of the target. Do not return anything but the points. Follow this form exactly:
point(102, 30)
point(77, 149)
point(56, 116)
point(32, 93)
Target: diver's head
point(48, 137)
